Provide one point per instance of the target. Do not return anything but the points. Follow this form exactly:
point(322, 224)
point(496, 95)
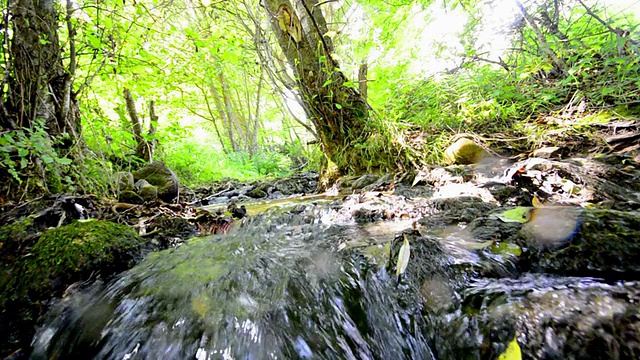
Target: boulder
point(159, 175)
point(70, 253)
point(464, 151)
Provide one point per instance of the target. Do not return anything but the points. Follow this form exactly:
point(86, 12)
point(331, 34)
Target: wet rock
point(576, 181)
point(427, 258)
point(364, 215)
point(486, 228)
point(547, 152)
point(346, 182)
point(305, 183)
point(363, 181)
point(381, 184)
point(464, 151)
point(58, 258)
point(413, 191)
point(159, 175)
point(449, 211)
point(236, 211)
point(438, 294)
point(607, 244)
point(124, 181)
point(574, 318)
point(507, 195)
point(257, 193)
point(260, 190)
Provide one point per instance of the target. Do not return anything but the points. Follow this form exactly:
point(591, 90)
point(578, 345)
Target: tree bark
point(144, 150)
point(38, 80)
point(335, 107)
point(362, 80)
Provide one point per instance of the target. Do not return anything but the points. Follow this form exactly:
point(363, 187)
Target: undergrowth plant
point(31, 151)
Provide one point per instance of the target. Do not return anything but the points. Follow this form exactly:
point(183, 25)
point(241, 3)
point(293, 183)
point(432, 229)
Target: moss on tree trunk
point(333, 104)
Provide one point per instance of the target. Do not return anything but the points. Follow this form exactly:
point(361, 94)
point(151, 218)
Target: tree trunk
point(37, 78)
point(144, 149)
point(335, 107)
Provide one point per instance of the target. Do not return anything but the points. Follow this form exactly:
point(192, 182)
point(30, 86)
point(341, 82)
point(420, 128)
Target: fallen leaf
point(536, 202)
point(403, 257)
point(513, 351)
point(519, 214)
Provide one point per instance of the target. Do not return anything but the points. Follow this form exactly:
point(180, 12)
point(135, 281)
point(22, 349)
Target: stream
point(318, 279)
point(276, 288)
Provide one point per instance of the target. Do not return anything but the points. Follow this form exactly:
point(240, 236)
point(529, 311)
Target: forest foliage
point(226, 103)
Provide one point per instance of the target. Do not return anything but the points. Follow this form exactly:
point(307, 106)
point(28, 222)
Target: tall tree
point(332, 102)
point(36, 84)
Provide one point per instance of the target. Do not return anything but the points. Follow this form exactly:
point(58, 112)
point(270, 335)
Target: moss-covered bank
point(68, 254)
point(35, 269)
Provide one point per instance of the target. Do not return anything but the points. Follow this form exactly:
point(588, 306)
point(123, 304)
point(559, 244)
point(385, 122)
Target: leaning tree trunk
point(336, 108)
point(38, 83)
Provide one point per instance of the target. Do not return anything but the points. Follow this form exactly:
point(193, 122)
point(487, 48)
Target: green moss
point(12, 235)
point(601, 117)
point(68, 254)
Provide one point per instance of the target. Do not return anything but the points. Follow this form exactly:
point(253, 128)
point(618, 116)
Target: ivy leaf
point(64, 161)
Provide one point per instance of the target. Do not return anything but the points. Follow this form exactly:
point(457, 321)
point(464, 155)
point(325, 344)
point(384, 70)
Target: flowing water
point(276, 288)
point(304, 281)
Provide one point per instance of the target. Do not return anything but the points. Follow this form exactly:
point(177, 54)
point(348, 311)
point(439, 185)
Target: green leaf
point(47, 159)
point(513, 351)
point(506, 249)
point(94, 41)
point(403, 257)
point(338, 106)
point(23, 163)
point(64, 161)
point(519, 214)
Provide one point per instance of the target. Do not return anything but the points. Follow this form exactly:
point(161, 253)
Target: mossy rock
point(159, 175)
point(15, 236)
point(607, 244)
point(464, 151)
point(68, 254)
point(257, 192)
point(147, 191)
